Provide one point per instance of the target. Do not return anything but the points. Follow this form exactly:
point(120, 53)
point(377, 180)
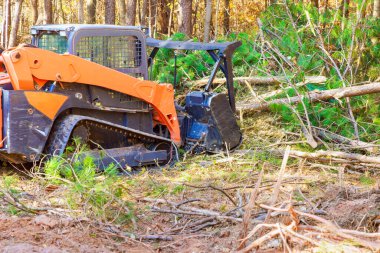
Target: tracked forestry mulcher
point(91, 81)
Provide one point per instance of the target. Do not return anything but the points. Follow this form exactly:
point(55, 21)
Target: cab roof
point(75, 27)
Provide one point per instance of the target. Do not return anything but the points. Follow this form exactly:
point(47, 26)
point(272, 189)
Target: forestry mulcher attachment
point(91, 81)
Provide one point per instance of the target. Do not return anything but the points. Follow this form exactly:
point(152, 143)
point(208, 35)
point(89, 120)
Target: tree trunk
point(130, 17)
point(109, 12)
point(63, 16)
point(326, 6)
point(91, 12)
point(316, 96)
point(184, 17)
point(269, 3)
point(164, 15)
point(144, 8)
point(345, 8)
point(216, 30)
point(171, 17)
point(206, 36)
point(80, 11)
point(376, 9)
point(138, 11)
point(226, 17)
point(48, 9)
point(315, 3)
point(122, 12)
point(152, 16)
point(15, 23)
point(34, 4)
point(195, 16)
point(6, 23)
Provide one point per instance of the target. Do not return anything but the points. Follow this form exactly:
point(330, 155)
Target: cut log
point(322, 154)
point(315, 96)
point(262, 80)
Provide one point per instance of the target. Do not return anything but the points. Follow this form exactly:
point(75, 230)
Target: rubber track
point(63, 128)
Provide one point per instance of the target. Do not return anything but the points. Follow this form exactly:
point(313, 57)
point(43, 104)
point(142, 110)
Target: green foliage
point(9, 185)
point(296, 34)
point(366, 179)
point(9, 182)
point(194, 65)
point(299, 35)
point(178, 189)
point(100, 192)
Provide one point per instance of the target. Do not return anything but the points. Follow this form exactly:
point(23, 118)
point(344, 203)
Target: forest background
point(334, 42)
point(307, 86)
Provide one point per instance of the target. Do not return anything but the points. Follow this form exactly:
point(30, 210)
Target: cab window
point(53, 42)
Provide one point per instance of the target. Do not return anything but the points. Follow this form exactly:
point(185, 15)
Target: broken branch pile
point(295, 233)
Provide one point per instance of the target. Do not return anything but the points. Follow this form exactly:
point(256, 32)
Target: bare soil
point(51, 234)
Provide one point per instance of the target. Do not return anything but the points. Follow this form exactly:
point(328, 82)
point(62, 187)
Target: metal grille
point(117, 52)
point(53, 42)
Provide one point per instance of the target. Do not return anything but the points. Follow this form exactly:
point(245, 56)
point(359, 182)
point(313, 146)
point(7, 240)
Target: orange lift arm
point(30, 68)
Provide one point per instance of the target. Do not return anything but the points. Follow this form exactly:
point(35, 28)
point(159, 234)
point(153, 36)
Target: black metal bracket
point(221, 53)
point(217, 65)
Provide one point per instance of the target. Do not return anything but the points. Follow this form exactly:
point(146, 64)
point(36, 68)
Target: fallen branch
point(354, 144)
point(214, 188)
point(186, 202)
point(9, 198)
point(152, 237)
point(194, 226)
point(261, 80)
point(225, 193)
point(185, 210)
point(174, 205)
point(181, 212)
point(315, 96)
point(330, 155)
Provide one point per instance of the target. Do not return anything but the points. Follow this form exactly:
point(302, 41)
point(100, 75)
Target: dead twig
point(225, 193)
point(332, 228)
point(186, 202)
point(248, 209)
point(266, 237)
point(196, 224)
point(181, 212)
point(279, 180)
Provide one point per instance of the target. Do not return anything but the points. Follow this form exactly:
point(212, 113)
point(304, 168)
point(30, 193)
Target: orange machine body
point(30, 68)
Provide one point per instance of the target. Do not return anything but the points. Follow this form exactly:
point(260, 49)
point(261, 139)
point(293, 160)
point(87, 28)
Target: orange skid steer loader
point(91, 82)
